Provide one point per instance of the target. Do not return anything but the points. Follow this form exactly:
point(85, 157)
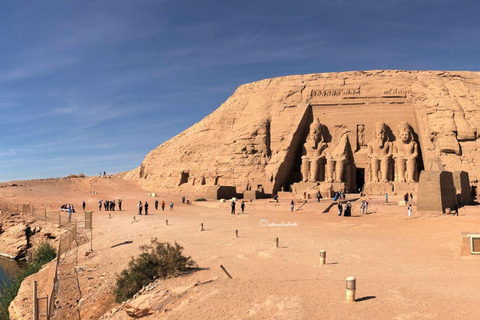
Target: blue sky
point(90, 86)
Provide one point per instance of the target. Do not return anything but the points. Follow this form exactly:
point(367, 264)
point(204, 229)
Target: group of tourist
point(242, 206)
point(407, 196)
point(339, 195)
point(109, 205)
point(141, 206)
point(347, 212)
point(70, 208)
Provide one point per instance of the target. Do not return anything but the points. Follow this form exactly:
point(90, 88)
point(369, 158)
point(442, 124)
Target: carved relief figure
point(361, 136)
point(405, 154)
point(313, 152)
point(337, 155)
point(379, 153)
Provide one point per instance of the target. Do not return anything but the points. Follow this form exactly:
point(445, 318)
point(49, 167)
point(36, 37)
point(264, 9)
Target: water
point(9, 269)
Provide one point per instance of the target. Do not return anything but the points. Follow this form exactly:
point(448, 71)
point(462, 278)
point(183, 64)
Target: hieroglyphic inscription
point(335, 92)
point(397, 92)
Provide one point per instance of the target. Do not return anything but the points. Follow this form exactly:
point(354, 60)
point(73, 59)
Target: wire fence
point(74, 224)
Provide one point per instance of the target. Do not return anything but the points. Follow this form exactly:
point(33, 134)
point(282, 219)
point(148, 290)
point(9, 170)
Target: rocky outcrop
point(19, 232)
point(254, 139)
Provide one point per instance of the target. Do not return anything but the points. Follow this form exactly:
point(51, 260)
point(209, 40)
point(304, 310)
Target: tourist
point(386, 197)
point(411, 196)
point(362, 207)
point(275, 197)
point(83, 205)
point(100, 205)
point(409, 209)
point(183, 199)
point(171, 205)
point(405, 197)
point(340, 208)
point(242, 206)
point(70, 208)
point(120, 204)
point(114, 204)
point(343, 195)
point(456, 209)
point(348, 209)
point(233, 207)
point(366, 207)
point(105, 205)
point(140, 207)
point(163, 205)
point(146, 207)
point(156, 205)
point(292, 205)
point(318, 196)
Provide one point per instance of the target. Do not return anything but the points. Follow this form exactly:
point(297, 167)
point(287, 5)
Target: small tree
point(159, 260)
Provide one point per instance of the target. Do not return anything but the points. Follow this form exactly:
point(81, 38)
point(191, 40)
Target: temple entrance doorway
point(360, 179)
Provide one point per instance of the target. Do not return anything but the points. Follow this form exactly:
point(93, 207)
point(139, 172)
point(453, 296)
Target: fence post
point(35, 301)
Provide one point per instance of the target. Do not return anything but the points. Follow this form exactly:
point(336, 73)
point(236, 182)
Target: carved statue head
point(404, 132)
point(380, 131)
point(316, 131)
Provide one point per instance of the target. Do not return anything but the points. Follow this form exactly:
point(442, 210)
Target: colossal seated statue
point(313, 152)
point(380, 153)
point(405, 154)
point(336, 155)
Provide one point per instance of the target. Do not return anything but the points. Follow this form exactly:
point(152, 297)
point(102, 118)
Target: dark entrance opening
point(360, 179)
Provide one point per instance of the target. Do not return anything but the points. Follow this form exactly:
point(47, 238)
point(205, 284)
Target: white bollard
point(351, 287)
point(323, 257)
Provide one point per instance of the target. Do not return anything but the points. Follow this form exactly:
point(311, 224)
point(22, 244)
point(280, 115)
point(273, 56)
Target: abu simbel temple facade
point(371, 131)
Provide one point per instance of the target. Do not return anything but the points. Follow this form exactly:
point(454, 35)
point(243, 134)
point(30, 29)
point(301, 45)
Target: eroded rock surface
point(254, 140)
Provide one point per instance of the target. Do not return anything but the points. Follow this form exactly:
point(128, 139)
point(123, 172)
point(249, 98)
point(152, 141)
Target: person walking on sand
point(292, 206)
point(146, 207)
point(100, 205)
point(156, 205)
point(409, 209)
point(386, 197)
point(171, 205)
point(340, 208)
point(163, 205)
point(233, 207)
point(70, 208)
point(242, 206)
point(318, 196)
point(140, 207)
point(120, 204)
point(83, 206)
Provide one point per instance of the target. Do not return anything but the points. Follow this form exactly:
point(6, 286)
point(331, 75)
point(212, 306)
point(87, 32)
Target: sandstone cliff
point(254, 139)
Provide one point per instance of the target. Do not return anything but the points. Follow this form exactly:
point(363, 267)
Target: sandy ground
point(406, 268)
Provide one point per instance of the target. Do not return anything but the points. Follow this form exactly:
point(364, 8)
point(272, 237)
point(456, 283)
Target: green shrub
point(159, 260)
point(43, 254)
point(201, 199)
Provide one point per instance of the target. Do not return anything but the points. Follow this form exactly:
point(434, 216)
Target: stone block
point(221, 192)
point(461, 182)
point(436, 191)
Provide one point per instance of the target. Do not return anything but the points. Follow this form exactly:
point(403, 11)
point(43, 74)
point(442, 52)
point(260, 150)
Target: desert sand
point(406, 268)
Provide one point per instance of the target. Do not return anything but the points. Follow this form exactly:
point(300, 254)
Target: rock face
point(257, 138)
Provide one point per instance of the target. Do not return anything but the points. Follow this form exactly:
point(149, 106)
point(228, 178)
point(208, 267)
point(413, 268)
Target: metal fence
point(73, 224)
point(64, 245)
